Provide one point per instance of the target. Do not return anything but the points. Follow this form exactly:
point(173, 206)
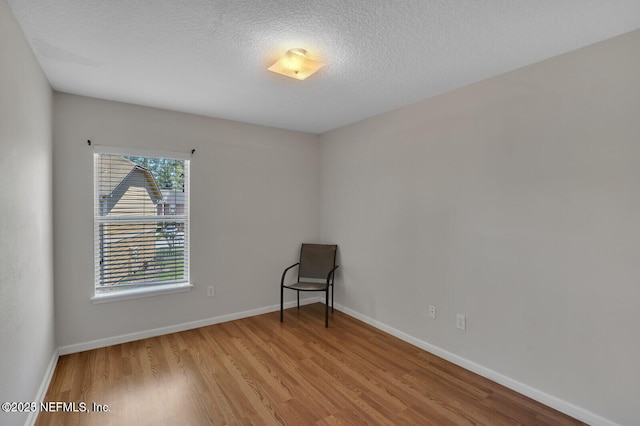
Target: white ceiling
point(210, 57)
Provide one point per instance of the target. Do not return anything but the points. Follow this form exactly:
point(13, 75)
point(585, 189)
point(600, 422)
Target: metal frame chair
point(317, 261)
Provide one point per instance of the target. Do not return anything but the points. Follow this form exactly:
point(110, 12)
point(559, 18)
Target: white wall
point(26, 274)
point(515, 201)
point(254, 198)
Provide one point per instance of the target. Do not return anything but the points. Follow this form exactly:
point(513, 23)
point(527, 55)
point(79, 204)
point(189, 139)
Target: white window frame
point(101, 296)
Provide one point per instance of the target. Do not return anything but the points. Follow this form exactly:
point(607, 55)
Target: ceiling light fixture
point(296, 64)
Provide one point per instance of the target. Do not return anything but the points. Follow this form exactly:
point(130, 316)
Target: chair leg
point(332, 290)
point(326, 310)
point(298, 299)
point(281, 303)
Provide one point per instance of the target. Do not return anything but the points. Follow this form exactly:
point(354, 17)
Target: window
point(141, 223)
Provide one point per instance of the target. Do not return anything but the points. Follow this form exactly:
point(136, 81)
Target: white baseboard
point(44, 386)
point(124, 338)
point(535, 394)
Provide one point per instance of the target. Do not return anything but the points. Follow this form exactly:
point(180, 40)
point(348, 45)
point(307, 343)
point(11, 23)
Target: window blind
point(141, 221)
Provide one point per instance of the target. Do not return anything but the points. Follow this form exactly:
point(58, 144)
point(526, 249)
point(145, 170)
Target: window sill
point(138, 293)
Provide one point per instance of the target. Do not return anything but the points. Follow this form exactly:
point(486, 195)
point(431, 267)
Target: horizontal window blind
point(141, 221)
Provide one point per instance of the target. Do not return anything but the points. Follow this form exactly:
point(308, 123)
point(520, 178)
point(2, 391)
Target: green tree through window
point(168, 173)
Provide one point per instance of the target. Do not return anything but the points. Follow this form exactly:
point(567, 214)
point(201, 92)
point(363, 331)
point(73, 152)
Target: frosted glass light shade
point(296, 64)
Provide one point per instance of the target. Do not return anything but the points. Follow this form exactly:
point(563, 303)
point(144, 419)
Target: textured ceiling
point(210, 56)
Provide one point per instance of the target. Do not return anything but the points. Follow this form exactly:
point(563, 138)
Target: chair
point(316, 270)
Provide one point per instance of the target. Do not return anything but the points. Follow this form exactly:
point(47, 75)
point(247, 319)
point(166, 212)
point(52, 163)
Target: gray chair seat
point(307, 286)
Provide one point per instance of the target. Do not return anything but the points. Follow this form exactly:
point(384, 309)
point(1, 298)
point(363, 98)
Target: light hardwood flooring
point(259, 371)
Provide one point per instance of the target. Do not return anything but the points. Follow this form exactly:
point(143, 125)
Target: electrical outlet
point(432, 312)
point(461, 322)
point(211, 291)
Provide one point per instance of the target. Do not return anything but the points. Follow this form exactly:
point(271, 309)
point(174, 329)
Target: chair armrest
point(331, 272)
point(285, 273)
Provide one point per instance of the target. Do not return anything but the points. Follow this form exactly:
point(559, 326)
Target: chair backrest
point(316, 260)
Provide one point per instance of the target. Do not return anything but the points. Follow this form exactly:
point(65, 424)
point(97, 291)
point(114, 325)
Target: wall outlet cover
point(461, 321)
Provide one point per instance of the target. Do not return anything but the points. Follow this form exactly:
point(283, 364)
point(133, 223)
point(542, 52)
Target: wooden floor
point(259, 371)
